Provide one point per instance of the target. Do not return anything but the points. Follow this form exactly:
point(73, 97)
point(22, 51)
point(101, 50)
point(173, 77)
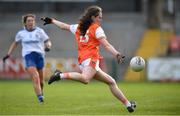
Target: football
point(137, 63)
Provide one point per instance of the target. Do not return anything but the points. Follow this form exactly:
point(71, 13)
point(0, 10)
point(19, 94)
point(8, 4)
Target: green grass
point(73, 98)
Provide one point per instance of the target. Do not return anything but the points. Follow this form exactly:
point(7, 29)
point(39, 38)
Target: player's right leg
point(104, 77)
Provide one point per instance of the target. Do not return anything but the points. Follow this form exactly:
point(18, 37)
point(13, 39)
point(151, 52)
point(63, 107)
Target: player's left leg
point(88, 68)
point(41, 77)
point(104, 77)
point(31, 66)
point(36, 82)
point(40, 69)
point(84, 77)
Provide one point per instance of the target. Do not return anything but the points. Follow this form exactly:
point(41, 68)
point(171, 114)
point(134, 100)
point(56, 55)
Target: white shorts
point(89, 62)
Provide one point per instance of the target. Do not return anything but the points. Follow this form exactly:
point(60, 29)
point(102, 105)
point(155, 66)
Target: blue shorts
point(34, 59)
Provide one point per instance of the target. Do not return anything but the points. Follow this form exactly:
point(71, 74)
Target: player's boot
point(132, 107)
point(55, 77)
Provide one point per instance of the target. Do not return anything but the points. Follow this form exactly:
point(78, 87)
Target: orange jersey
point(88, 45)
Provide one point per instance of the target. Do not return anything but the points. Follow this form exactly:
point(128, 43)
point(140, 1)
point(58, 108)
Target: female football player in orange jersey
point(89, 35)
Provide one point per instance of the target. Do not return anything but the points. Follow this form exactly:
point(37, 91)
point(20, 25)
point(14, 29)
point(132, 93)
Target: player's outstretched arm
point(11, 49)
point(119, 57)
point(60, 24)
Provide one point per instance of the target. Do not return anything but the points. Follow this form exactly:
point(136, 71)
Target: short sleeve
point(43, 35)
point(100, 32)
point(18, 37)
point(73, 28)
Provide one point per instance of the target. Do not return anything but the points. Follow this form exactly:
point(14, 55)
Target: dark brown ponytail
point(85, 20)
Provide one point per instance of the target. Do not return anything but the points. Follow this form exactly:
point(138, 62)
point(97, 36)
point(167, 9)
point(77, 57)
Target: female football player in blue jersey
point(34, 43)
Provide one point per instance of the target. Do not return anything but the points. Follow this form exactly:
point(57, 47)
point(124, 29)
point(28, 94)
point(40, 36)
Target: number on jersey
point(84, 39)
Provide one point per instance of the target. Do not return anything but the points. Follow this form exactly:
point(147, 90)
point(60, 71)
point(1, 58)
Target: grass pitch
point(73, 98)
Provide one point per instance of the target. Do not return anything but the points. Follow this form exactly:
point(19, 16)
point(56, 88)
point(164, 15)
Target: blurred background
point(146, 28)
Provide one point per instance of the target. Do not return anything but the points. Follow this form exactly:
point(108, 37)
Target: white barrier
point(163, 69)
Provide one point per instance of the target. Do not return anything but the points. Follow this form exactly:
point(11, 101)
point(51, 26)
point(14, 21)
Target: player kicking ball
point(89, 35)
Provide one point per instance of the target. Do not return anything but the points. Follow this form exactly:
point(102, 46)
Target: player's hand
point(5, 58)
point(47, 45)
point(46, 20)
point(120, 58)
point(46, 49)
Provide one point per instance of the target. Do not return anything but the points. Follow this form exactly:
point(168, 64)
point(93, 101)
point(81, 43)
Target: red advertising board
point(14, 68)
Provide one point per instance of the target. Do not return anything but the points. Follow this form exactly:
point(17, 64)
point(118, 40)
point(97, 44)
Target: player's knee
point(85, 80)
point(112, 82)
point(35, 80)
point(34, 75)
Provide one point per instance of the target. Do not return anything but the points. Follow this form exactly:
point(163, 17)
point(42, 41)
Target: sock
point(40, 98)
point(128, 104)
point(64, 75)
